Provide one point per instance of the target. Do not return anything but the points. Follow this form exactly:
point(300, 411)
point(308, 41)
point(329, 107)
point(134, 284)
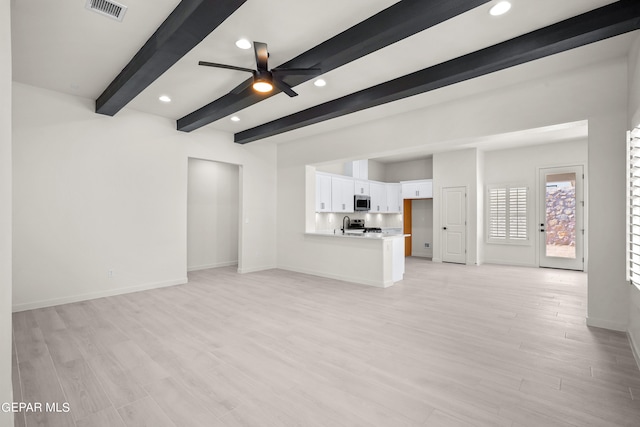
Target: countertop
point(386, 234)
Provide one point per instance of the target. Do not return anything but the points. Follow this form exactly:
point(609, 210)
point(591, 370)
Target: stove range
point(358, 224)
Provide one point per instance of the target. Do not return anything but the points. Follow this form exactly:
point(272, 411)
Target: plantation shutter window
point(498, 213)
point(508, 215)
point(633, 206)
point(518, 213)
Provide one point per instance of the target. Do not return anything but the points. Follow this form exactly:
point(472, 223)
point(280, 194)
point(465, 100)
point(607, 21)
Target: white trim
point(216, 265)
point(94, 295)
point(350, 279)
point(635, 349)
point(511, 263)
point(255, 269)
point(582, 219)
point(606, 324)
point(421, 254)
point(507, 240)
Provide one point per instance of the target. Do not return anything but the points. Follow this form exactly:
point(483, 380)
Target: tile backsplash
point(331, 221)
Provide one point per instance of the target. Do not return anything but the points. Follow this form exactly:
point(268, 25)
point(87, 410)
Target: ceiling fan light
point(262, 86)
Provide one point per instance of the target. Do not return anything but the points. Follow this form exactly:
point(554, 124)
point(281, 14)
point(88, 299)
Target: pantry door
point(561, 218)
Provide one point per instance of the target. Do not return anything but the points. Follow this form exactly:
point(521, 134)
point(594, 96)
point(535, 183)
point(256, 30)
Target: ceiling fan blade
point(284, 87)
point(228, 67)
point(242, 86)
point(297, 71)
point(262, 55)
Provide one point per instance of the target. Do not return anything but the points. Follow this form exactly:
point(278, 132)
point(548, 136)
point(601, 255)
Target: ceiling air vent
point(107, 8)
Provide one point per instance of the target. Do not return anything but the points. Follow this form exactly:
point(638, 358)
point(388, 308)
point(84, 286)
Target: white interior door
point(560, 222)
point(454, 225)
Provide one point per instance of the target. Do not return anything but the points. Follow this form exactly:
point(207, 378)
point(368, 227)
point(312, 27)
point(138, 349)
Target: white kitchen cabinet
point(341, 194)
point(394, 198)
point(359, 169)
point(323, 192)
point(361, 187)
point(419, 189)
point(378, 197)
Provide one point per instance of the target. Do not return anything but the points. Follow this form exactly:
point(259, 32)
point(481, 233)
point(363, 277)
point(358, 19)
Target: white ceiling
point(59, 45)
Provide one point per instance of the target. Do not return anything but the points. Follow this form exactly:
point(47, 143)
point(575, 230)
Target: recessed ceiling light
point(500, 8)
point(243, 44)
point(164, 98)
point(235, 119)
point(320, 83)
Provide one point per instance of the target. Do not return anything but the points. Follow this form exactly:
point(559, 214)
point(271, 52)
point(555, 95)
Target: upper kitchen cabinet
point(419, 189)
point(323, 192)
point(394, 197)
point(342, 191)
point(358, 169)
point(378, 195)
point(361, 187)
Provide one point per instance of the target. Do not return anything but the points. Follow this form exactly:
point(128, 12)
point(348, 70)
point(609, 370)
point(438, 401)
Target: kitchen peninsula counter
point(375, 259)
point(369, 235)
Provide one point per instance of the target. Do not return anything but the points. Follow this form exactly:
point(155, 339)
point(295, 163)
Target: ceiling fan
point(264, 79)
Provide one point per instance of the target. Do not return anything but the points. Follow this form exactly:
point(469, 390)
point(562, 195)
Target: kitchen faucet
point(348, 223)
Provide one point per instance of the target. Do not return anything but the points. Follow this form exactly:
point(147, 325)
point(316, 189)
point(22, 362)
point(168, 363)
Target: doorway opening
point(213, 212)
point(418, 224)
point(561, 218)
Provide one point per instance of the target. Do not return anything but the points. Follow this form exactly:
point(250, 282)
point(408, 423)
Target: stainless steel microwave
point(361, 203)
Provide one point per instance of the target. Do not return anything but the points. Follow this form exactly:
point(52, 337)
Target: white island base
point(375, 259)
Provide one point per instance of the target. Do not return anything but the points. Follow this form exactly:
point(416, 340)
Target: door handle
point(444, 228)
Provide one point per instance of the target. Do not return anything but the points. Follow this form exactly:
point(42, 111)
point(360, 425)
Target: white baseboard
point(94, 295)
point(215, 265)
point(422, 254)
point(635, 349)
point(254, 269)
point(340, 277)
point(510, 263)
point(436, 260)
point(606, 324)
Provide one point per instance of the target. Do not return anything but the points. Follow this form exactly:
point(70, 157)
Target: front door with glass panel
point(561, 218)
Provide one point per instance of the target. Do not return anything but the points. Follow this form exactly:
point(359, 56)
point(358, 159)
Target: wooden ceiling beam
point(599, 24)
point(401, 20)
point(189, 23)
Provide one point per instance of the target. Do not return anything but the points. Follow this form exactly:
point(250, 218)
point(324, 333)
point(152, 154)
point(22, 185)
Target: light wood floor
point(451, 345)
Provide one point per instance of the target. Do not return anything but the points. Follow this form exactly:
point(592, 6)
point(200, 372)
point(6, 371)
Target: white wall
point(377, 171)
point(553, 100)
point(608, 302)
point(212, 214)
point(409, 170)
point(519, 166)
point(6, 419)
point(480, 207)
point(335, 168)
point(634, 120)
point(422, 227)
point(94, 193)
point(456, 169)
point(634, 84)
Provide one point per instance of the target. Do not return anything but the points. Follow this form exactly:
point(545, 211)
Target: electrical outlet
point(110, 274)
point(427, 245)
